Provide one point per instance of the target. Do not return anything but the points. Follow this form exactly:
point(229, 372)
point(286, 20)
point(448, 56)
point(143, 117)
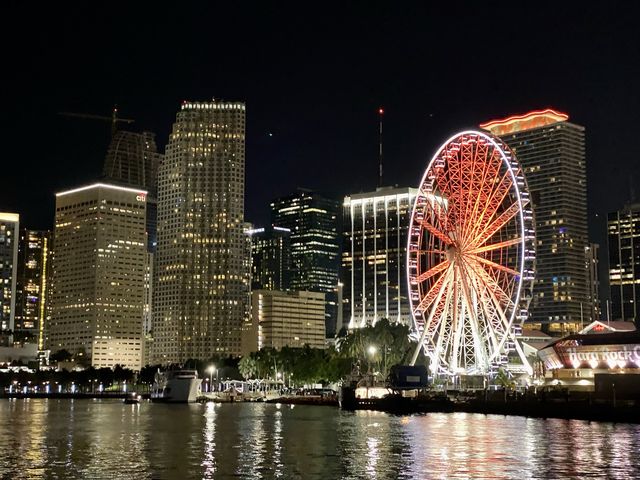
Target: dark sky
point(313, 77)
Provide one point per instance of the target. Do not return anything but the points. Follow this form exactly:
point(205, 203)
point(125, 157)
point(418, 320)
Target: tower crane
point(114, 118)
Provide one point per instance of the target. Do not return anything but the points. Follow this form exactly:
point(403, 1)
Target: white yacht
point(176, 386)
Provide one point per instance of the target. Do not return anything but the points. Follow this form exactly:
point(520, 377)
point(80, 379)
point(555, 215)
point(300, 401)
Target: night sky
point(312, 78)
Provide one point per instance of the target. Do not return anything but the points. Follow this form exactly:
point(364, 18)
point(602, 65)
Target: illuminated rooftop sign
point(141, 193)
point(9, 217)
point(528, 121)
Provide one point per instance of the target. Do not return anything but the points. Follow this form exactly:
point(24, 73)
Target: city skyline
point(314, 112)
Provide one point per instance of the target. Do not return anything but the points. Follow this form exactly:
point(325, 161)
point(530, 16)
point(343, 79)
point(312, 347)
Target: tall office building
point(285, 319)
point(592, 263)
point(623, 229)
point(9, 235)
point(374, 275)
point(270, 258)
point(202, 273)
point(132, 160)
point(32, 290)
point(315, 246)
point(551, 151)
point(97, 294)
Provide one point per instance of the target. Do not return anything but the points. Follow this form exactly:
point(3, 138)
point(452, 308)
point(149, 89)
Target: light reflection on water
point(61, 439)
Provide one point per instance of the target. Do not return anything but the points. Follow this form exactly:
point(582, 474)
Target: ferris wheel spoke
point(431, 294)
point(432, 271)
point(479, 289)
point(493, 289)
point(479, 347)
point(492, 204)
point(474, 166)
point(493, 322)
point(437, 233)
point(434, 309)
point(430, 251)
point(495, 246)
point(490, 170)
point(444, 328)
point(496, 224)
point(497, 266)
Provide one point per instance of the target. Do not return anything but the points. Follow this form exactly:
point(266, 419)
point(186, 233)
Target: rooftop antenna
point(632, 191)
point(380, 114)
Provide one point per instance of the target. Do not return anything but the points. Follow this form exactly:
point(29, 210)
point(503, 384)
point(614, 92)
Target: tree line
point(368, 350)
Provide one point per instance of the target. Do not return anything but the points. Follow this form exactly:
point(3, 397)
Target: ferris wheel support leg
point(525, 362)
point(414, 358)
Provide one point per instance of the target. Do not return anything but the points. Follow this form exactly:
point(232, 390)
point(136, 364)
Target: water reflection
point(106, 439)
point(209, 460)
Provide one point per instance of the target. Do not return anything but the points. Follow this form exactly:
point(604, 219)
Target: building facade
point(552, 153)
point(270, 258)
point(374, 278)
point(97, 296)
point(623, 233)
point(201, 286)
point(32, 291)
point(9, 235)
point(592, 264)
point(285, 319)
point(315, 246)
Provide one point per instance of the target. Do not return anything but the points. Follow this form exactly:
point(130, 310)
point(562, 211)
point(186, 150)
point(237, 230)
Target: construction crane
point(114, 119)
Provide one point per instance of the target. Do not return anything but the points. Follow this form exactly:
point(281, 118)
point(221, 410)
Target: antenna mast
point(380, 114)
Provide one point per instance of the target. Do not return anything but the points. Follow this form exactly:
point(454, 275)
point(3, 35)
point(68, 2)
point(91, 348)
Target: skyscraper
point(315, 246)
point(201, 290)
point(9, 234)
point(270, 258)
point(32, 286)
point(132, 160)
point(97, 295)
point(374, 256)
point(552, 153)
point(623, 229)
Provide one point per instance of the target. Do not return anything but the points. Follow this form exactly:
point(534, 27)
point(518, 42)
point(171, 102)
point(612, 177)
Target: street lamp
point(372, 352)
point(210, 370)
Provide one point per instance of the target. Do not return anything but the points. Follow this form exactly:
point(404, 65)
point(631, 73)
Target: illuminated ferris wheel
point(471, 256)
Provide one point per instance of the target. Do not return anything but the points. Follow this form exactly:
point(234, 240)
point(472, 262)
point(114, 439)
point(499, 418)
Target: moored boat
point(176, 386)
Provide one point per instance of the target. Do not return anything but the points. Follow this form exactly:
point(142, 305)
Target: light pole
point(372, 352)
point(211, 369)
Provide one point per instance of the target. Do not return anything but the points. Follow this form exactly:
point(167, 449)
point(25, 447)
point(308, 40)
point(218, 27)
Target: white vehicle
point(176, 386)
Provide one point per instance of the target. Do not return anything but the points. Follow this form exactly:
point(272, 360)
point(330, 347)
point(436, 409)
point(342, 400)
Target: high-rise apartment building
point(374, 278)
point(270, 258)
point(285, 319)
point(315, 246)
point(623, 229)
point(9, 235)
point(32, 286)
point(202, 273)
point(551, 151)
point(132, 160)
point(97, 295)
